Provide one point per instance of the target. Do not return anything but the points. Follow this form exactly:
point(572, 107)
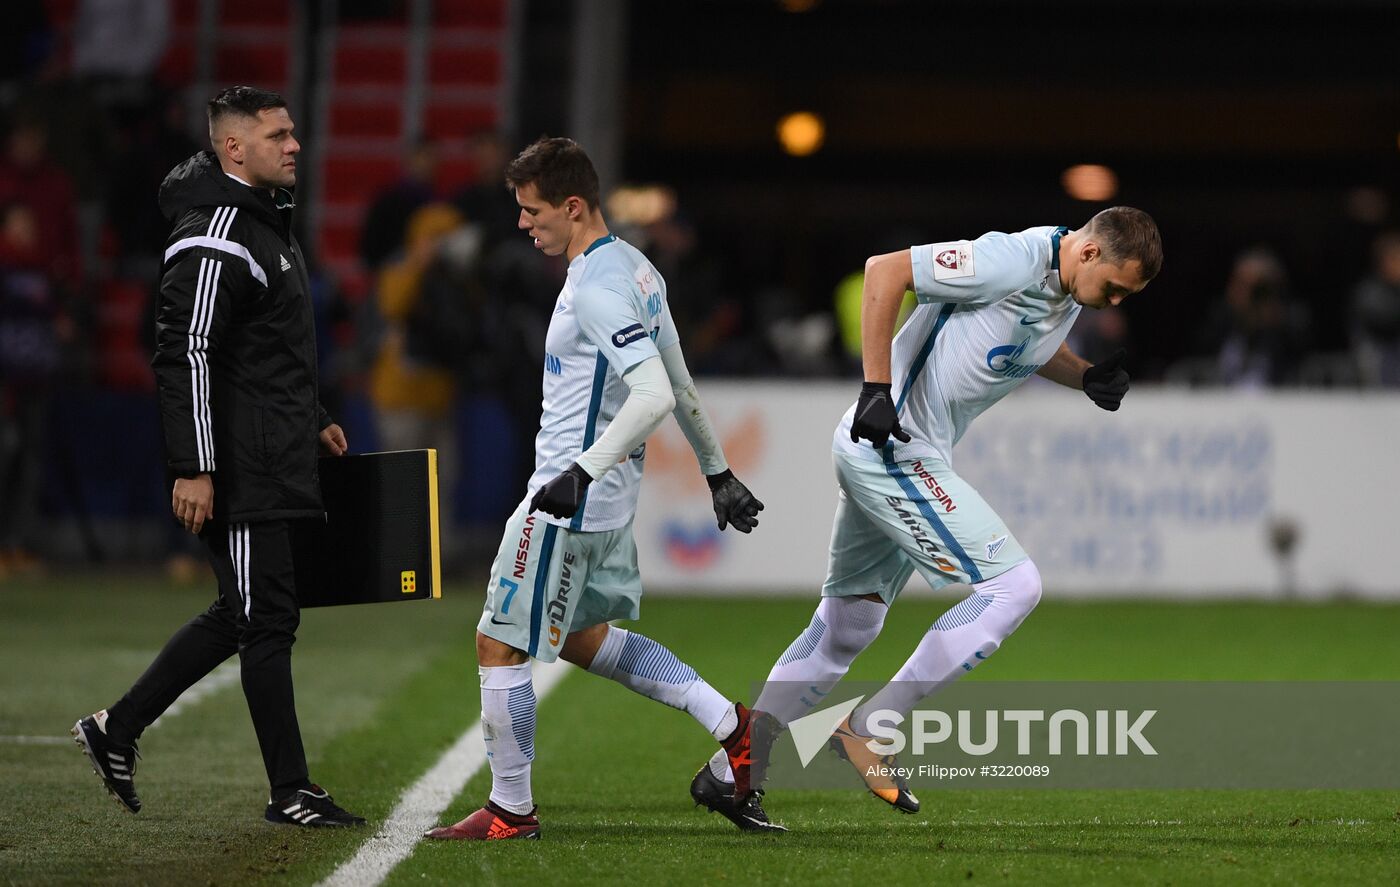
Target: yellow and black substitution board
point(379, 541)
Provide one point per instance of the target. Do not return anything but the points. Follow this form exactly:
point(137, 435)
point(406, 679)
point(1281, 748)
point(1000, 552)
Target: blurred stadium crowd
point(431, 333)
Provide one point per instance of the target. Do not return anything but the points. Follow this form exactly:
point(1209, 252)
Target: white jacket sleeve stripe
point(227, 246)
point(206, 290)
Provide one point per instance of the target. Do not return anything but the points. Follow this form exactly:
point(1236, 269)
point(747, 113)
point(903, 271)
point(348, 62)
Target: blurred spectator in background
point(1375, 316)
point(25, 41)
point(846, 307)
point(1258, 333)
point(708, 317)
point(387, 218)
point(32, 331)
point(486, 201)
point(77, 132)
point(712, 319)
point(120, 41)
point(1096, 335)
point(846, 300)
point(519, 286)
point(29, 178)
point(411, 382)
point(151, 142)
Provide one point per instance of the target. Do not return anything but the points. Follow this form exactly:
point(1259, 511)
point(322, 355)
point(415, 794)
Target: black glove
point(875, 418)
point(562, 496)
point(1107, 382)
point(733, 502)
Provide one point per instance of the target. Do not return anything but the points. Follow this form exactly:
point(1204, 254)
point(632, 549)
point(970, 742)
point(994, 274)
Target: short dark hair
point(241, 101)
point(1126, 234)
point(558, 168)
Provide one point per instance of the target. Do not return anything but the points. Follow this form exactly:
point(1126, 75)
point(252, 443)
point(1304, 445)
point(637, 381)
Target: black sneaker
point(710, 792)
point(310, 807)
point(114, 764)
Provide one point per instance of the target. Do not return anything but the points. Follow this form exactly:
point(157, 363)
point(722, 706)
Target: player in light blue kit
point(567, 565)
point(991, 313)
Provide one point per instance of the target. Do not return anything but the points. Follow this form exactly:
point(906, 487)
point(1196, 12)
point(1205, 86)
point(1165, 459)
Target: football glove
point(563, 495)
point(1107, 382)
point(734, 503)
point(875, 418)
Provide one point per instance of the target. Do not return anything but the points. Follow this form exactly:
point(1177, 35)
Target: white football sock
point(719, 766)
point(726, 725)
point(641, 664)
point(962, 637)
point(508, 725)
point(840, 629)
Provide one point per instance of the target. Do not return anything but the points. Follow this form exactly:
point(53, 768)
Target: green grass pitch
point(383, 690)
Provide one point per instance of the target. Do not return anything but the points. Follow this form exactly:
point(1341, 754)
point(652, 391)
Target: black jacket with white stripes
point(235, 359)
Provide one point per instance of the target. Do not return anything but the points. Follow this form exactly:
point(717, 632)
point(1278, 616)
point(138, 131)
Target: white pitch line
point(421, 805)
point(211, 683)
point(36, 740)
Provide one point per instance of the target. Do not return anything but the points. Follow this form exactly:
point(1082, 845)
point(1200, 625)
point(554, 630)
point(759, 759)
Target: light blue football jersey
point(610, 316)
point(991, 312)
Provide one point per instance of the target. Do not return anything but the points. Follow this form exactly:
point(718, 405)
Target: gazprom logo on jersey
point(1002, 360)
point(552, 364)
point(629, 334)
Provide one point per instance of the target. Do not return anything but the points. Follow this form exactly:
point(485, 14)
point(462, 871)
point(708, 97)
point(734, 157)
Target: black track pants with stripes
point(256, 616)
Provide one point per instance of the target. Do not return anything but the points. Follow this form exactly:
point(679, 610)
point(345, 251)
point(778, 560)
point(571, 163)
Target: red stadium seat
point(470, 13)
point(274, 13)
point(452, 120)
point(355, 177)
point(354, 116)
point(366, 118)
point(261, 63)
point(371, 62)
point(464, 65)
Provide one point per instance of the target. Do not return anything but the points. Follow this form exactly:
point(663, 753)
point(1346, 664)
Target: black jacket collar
point(200, 181)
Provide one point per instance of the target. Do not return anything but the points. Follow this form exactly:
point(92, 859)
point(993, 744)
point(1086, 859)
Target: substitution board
point(379, 541)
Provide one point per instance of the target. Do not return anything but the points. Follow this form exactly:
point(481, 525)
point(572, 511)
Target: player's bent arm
point(1065, 368)
point(690, 414)
point(886, 279)
point(649, 399)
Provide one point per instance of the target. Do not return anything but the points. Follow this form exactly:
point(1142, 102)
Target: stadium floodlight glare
point(801, 133)
point(1090, 181)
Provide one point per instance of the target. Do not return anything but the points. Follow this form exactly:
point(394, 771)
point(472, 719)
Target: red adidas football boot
point(739, 747)
point(491, 823)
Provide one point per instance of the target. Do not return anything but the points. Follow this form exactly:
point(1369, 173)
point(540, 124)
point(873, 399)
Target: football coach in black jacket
point(235, 366)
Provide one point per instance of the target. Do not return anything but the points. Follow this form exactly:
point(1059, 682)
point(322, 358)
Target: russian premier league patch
point(953, 260)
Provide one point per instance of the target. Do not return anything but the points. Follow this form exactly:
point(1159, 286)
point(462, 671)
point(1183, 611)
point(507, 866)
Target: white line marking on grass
point(210, 684)
point(36, 740)
point(421, 805)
